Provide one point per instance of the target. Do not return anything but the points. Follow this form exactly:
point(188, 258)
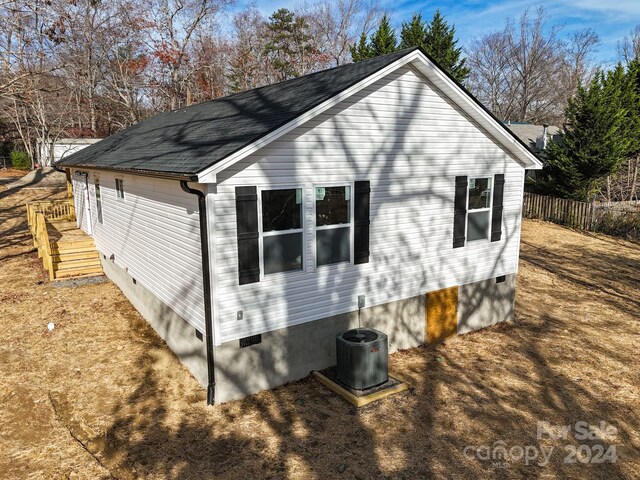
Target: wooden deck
point(66, 251)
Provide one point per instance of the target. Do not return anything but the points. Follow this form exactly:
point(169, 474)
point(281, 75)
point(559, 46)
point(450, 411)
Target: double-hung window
point(119, 189)
point(96, 182)
point(479, 209)
point(334, 221)
point(282, 232)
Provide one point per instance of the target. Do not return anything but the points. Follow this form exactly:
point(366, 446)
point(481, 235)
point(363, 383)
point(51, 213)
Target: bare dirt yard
point(11, 172)
point(102, 397)
point(9, 175)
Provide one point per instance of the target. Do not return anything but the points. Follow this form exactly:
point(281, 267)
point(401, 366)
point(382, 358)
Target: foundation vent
point(252, 340)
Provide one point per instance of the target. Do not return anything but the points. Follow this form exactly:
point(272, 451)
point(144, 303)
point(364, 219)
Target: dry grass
point(12, 172)
point(102, 397)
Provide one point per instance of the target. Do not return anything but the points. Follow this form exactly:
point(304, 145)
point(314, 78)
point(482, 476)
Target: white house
point(52, 152)
point(246, 228)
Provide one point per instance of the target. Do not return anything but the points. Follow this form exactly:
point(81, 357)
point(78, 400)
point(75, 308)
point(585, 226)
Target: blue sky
point(612, 20)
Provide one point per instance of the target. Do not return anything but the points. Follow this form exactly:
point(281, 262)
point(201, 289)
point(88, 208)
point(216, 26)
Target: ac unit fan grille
point(359, 336)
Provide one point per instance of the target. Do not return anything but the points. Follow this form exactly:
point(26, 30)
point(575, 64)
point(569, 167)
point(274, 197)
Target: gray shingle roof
point(531, 134)
point(187, 141)
point(191, 139)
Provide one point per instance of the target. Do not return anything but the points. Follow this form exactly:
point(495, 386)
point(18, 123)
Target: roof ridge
point(401, 52)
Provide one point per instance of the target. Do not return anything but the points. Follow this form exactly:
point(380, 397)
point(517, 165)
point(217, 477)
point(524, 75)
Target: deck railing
point(52, 210)
point(42, 242)
point(65, 250)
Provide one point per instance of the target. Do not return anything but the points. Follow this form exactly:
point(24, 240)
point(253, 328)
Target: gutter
point(206, 285)
point(144, 173)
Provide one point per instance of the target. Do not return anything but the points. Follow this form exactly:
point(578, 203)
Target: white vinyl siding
point(410, 143)
point(80, 199)
point(155, 235)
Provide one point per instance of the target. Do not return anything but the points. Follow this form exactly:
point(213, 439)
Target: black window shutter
point(361, 222)
point(460, 212)
point(247, 227)
point(496, 214)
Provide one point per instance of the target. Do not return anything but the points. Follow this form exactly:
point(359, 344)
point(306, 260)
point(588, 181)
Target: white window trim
point(262, 234)
point(118, 197)
point(477, 210)
point(99, 209)
point(351, 185)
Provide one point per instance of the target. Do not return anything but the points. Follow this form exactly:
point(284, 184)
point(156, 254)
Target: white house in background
point(244, 229)
point(536, 137)
point(61, 148)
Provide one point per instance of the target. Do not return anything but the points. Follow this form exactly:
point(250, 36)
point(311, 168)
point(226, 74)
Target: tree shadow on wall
point(303, 430)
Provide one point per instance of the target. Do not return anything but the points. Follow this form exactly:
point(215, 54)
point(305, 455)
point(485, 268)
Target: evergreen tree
point(602, 130)
point(383, 40)
point(634, 112)
point(413, 33)
point(361, 50)
point(289, 44)
point(440, 44)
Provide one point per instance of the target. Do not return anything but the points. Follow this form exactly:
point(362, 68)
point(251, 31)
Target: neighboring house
point(54, 151)
point(536, 137)
point(284, 204)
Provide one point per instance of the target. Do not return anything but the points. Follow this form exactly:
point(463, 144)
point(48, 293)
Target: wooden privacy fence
point(559, 210)
point(583, 215)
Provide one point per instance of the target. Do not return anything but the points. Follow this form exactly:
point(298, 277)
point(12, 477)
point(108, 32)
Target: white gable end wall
point(154, 235)
point(410, 143)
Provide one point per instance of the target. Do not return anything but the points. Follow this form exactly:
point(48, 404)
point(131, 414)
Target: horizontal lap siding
point(79, 200)
point(155, 235)
point(410, 143)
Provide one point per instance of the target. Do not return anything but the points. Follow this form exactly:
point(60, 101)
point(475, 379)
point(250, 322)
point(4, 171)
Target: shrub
point(20, 160)
point(626, 224)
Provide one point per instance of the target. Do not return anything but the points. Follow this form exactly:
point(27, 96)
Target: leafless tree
point(488, 62)
point(176, 23)
point(629, 47)
point(337, 25)
point(126, 65)
point(250, 67)
point(579, 66)
point(526, 72)
point(535, 63)
point(210, 57)
point(34, 97)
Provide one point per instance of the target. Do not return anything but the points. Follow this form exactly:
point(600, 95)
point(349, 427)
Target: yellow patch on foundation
point(442, 314)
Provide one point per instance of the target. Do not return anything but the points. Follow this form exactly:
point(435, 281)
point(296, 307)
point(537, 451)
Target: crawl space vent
point(252, 340)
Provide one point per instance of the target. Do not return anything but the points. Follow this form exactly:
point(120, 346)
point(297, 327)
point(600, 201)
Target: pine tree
point(440, 44)
point(361, 50)
point(383, 40)
point(633, 73)
point(602, 130)
point(289, 44)
point(413, 33)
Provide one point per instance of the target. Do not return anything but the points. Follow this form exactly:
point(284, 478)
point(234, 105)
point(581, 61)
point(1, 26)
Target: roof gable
point(204, 139)
point(188, 140)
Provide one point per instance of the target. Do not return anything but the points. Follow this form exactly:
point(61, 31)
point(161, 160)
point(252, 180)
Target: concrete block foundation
point(484, 303)
point(172, 328)
point(291, 353)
